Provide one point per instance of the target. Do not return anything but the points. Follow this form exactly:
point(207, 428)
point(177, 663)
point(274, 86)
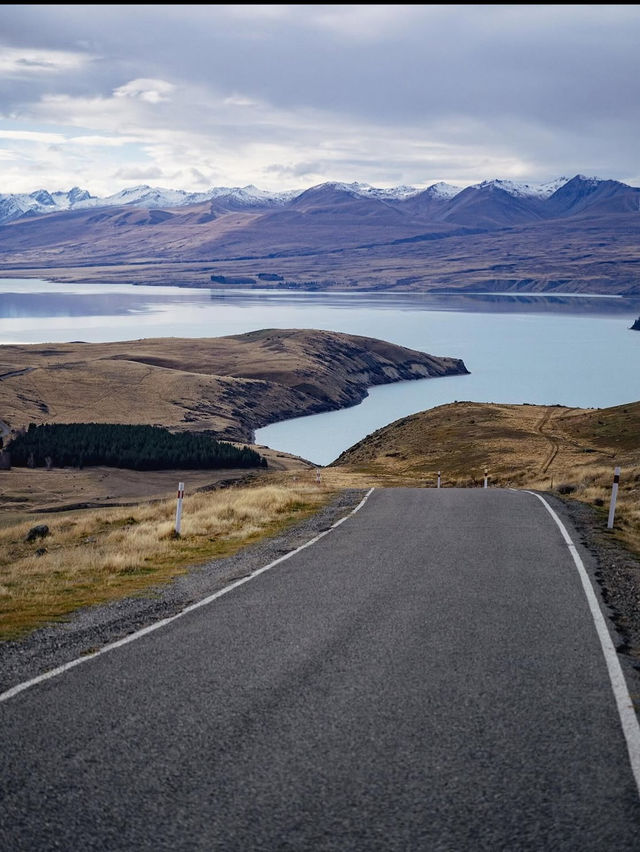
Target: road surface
point(426, 676)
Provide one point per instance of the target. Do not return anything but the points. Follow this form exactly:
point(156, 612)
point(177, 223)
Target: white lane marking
point(15, 690)
point(626, 711)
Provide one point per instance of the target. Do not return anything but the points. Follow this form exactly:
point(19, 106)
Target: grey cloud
point(198, 178)
point(136, 173)
point(298, 169)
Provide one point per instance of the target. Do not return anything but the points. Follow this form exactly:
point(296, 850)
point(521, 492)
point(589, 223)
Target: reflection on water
point(38, 300)
point(33, 311)
point(62, 300)
point(468, 302)
point(18, 305)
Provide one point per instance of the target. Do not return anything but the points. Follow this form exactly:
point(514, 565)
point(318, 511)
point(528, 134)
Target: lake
point(561, 349)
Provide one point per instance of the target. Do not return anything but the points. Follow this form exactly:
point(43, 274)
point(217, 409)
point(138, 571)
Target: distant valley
point(578, 235)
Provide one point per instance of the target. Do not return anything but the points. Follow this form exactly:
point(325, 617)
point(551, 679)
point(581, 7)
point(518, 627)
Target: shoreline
point(73, 275)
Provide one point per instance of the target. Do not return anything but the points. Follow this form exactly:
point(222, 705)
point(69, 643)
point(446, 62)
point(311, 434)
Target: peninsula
point(228, 386)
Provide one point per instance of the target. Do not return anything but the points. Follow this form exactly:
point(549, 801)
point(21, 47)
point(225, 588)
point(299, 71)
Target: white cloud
point(103, 141)
point(20, 62)
point(364, 22)
point(151, 91)
point(32, 136)
point(240, 100)
point(204, 139)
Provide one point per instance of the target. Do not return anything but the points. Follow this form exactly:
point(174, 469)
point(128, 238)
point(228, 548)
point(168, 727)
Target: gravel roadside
point(615, 572)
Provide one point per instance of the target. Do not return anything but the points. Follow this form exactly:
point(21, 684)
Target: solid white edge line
point(626, 711)
point(15, 690)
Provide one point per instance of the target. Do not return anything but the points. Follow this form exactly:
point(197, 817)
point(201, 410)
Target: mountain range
point(22, 205)
point(579, 234)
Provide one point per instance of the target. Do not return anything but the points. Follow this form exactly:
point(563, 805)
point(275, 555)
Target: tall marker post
point(486, 477)
point(179, 507)
point(614, 497)
point(438, 479)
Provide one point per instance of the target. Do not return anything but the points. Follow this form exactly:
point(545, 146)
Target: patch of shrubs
point(566, 488)
point(133, 447)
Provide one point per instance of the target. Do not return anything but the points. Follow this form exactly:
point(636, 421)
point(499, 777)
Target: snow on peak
point(443, 190)
point(365, 190)
point(250, 195)
point(394, 193)
point(592, 181)
point(147, 196)
point(524, 190)
point(355, 188)
point(13, 206)
point(41, 196)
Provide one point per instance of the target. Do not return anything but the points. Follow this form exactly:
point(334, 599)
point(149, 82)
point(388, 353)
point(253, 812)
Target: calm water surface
point(567, 350)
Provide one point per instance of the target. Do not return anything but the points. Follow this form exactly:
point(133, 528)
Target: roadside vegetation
point(92, 557)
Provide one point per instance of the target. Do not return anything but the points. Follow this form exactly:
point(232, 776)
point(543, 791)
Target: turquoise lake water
point(566, 350)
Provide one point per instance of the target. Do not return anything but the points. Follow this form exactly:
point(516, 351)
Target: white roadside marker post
point(614, 497)
point(486, 477)
point(179, 507)
point(438, 479)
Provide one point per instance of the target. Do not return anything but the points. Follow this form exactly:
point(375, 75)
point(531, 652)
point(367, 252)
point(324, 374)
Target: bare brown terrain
point(519, 444)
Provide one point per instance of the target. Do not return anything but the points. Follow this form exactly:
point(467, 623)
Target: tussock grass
point(97, 556)
point(594, 486)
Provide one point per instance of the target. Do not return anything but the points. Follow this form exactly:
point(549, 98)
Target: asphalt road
point(427, 676)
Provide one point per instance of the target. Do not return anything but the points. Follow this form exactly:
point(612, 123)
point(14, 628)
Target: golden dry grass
point(97, 556)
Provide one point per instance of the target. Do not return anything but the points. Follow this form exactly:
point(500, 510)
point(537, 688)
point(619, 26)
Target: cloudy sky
point(285, 97)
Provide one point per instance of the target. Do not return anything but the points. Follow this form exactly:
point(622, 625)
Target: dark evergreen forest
point(134, 447)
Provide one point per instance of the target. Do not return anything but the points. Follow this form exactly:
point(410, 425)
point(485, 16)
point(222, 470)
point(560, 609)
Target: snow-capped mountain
point(41, 201)
point(18, 206)
point(144, 196)
point(443, 190)
point(15, 206)
point(496, 234)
